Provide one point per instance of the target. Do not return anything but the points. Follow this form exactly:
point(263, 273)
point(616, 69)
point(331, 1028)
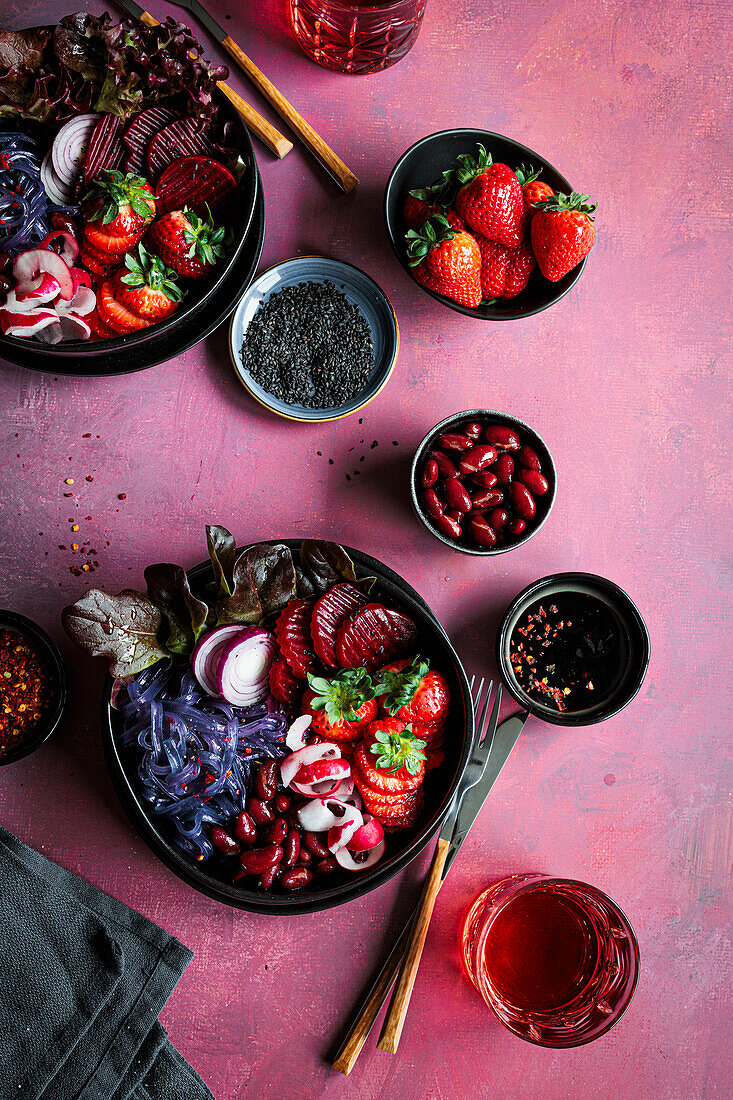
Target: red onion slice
point(243, 666)
point(346, 859)
point(290, 766)
point(70, 146)
point(204, 656)
point(52, 185)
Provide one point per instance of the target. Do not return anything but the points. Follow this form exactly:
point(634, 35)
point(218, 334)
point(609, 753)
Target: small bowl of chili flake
point(32, 687)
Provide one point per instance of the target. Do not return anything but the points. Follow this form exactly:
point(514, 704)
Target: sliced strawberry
point(434, 758)
point(390, 758)
point(91, 261)
point(196, 182)
point(292, 631)
point(373, 635)
point(330, 612)
point(283, 684)
point(98, 327)
point(183, 138)
point(114, 315)
point(97, 238)
point(140, 133)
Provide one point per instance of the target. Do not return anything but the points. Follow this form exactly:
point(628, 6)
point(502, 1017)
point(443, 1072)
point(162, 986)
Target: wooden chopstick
point(323, 153)
point(264, 130)
point(392, 1028)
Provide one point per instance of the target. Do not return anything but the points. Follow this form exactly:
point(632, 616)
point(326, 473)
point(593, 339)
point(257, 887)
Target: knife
point(504, 740)
point(336, 168)
point(266, 132)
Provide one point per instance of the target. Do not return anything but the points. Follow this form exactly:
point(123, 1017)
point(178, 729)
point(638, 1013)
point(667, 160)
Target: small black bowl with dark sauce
point(573, 649)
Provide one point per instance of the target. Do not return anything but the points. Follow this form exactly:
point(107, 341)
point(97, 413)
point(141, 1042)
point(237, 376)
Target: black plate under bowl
point(33, 633)
point(440, 785)
point(633, 631)
point(423, 164)
point(196, 318)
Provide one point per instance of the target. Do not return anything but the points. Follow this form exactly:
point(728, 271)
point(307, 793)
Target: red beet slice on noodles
point(140, 133)
point(330, 612)
point(293, 633)
point(374, 636)
point(196, 182)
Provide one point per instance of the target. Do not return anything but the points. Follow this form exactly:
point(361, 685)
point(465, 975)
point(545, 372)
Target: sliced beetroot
point(140, 133)
point(293, 634)
point(196, 182)
point(183, 138)
point(331, 610)
point(105, 147)
point(373, 636)
point(283, 684)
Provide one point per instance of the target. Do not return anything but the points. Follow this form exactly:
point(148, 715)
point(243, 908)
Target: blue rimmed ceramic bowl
point(359, 289)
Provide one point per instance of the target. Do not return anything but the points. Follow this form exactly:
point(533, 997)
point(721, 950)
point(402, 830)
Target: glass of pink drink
point(356, 36)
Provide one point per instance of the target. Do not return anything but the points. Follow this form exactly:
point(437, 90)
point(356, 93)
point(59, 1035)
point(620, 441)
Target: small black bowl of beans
point(482, 482)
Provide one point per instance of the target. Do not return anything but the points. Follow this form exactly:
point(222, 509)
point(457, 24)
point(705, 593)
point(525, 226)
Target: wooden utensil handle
point(355, 1038)
point(343, 175)
point(264, 130)
point(392, 1029)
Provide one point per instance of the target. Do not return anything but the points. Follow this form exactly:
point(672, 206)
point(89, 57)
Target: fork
point(369, 1007)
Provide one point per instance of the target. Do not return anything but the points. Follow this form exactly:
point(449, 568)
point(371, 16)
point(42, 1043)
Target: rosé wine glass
point(356, 36)
point(556, 960)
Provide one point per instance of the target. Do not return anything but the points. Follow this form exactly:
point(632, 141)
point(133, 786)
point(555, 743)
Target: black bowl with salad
point(285, 725)
point(128, 189)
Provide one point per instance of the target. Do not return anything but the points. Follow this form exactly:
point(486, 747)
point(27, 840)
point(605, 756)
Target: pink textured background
point(625, 379)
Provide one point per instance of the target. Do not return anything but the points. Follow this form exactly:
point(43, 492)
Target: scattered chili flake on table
point(26, 689)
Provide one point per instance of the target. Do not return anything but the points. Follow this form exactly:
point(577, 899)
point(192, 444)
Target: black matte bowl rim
point(528, 156)
point(329, 897)
point(533, 438)
point(630, 616)
point(51, 357)
point(13, 621)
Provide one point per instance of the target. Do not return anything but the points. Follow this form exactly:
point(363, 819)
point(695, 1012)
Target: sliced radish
point(81, 304)
point(29, 265)
point(51, 334)
point(327, 776)
point(320, 814)
point(29, 323)
point(74, 327)
point(70, 146)
point(291, 764)
point(295, 737)
point(80, 277)
point(367, 835)
point(63, 244)
point(204, 656)
point(52, 185)
point(43, 289)
point(345, 790)
point(243, 666)
point(340, 834)
point(347, 860)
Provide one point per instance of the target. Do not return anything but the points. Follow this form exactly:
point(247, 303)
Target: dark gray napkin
point(82, 981)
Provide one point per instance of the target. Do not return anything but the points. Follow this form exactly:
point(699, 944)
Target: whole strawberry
point(520, 265)
point(446, 261)
point(563, 233)
point(494, 262)
point(187, 243)
point(490, 199)
point(533, 189)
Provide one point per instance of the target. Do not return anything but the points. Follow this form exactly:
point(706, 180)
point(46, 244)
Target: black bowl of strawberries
point(486, 225)
point(352, 761)
point(132, 222)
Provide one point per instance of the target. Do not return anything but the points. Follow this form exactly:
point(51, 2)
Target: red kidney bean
point(503, 438)
point(477, 459)
point(516, 528)
point(260, 812)
point(281, 802)
point(327, 866)
point(5, 258)
point(295, 878)
point(257, 860)
point(485, 479)
point(317, 846)
point(430, 473)
point(528, 457)
point(6, 282)
point(486, 498)
point(304, 856)
point(223, 842)
point(534, 481)
point(62, 221)
point(266, 780)
point(276, 831)
point(433, 504)
point(245, 829)
point(456, 495)
point(449, 526)
point(472, 429)
point(498, 518)
point(522, 500)
point(454, 441)
point(504, 469)
point(291, 848)
point(266, 881)
point(446, 467)
point(482, 531)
